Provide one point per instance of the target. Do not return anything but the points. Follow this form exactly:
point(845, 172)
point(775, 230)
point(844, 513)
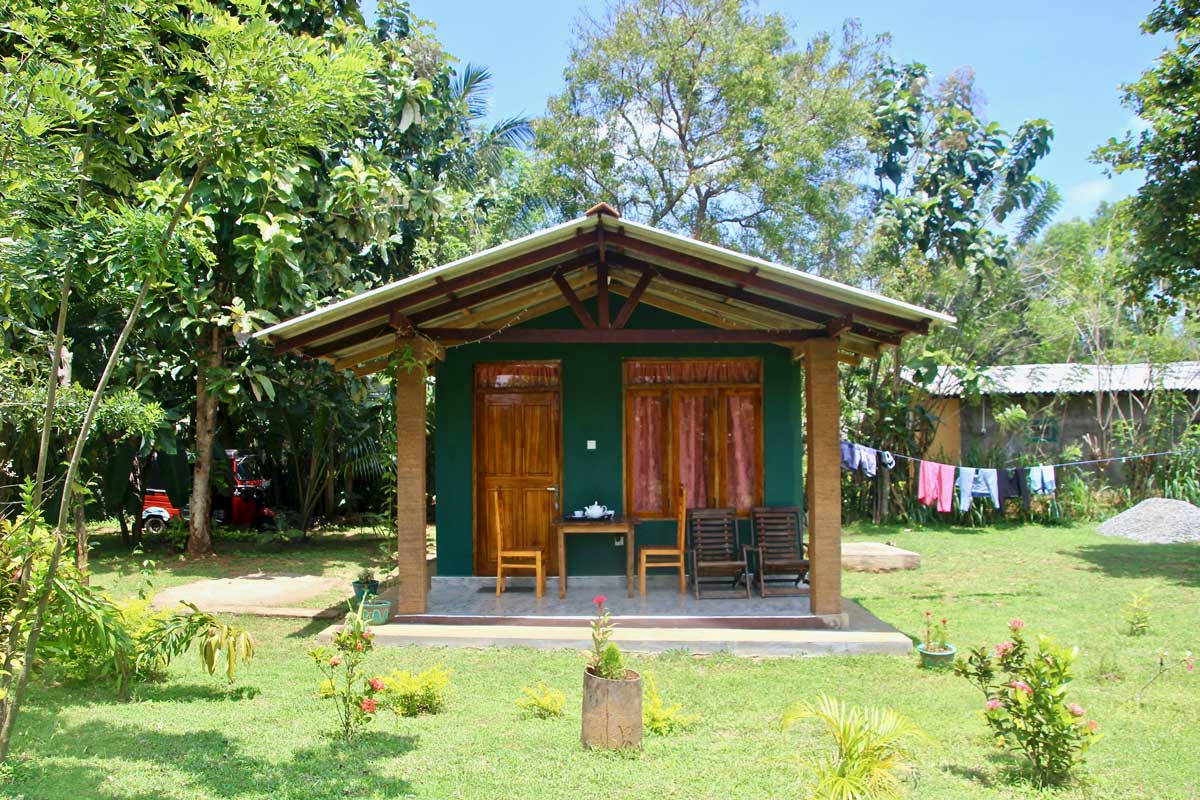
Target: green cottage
point(606, 362)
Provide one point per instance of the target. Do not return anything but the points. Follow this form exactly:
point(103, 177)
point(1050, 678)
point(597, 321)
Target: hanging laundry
point(888, 459)
point(974, 482)
point(936, 485)
point(1014, 483)
point(1041, 479)
point(867, 460)
point(849, 455)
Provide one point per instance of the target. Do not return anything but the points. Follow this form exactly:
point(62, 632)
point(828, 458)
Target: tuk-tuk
point(246, 504)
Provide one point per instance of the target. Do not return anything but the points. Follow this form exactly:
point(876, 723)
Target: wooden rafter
point(621, 336)
point(811, 299)
point(573, 301)
point(602, 279)
point(633, 299)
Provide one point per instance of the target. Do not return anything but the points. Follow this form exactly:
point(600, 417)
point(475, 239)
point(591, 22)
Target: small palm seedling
point(871, 756)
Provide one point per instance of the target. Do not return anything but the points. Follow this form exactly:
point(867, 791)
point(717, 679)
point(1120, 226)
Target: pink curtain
point(741, 456)
point(649, 414)
point(733, 370)
point(691, 435)
point(521, 375)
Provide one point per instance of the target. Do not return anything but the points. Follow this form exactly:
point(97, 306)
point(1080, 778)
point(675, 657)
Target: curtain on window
point(738, 370)
point(741, 456)
point(692, 426)
point(649, 418)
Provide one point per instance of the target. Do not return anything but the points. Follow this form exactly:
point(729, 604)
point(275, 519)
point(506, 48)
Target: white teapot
point(595, 511)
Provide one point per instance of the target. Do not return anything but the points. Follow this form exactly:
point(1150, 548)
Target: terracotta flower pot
point(612, 711)
point(937, 659)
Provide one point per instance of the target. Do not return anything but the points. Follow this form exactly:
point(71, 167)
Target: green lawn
point(193, 737)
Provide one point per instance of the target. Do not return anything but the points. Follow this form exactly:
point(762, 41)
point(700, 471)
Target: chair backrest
point(714, 534)
point(681, 518)
point(494, 516)
point(778, 530)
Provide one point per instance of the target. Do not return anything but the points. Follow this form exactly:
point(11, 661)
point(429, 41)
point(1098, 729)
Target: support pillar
point(823, 433)
point(411, 594)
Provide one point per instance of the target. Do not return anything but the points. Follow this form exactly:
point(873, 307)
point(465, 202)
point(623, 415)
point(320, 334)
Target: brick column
point(823, 427)
point(411, 595)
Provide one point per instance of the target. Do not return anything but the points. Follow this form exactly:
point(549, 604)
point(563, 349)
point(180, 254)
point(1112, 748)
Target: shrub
point(353, 695)
point(935, 634)
point(661, 719)
point(541, 701)
point(605, 660)
point(1026, 705)
point(409, 695)
point(1137, 614)
point(871, 755)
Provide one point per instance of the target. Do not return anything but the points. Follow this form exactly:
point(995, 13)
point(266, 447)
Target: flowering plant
point(935, 634)
point(1025, 702)
point(605, 659)
point(353, 695)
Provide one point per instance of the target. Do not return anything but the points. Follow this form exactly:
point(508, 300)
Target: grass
point(195, 737)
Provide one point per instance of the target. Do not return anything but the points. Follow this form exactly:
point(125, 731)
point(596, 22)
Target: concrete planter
point(612, 711)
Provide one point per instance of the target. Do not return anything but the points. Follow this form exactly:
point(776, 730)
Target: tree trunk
point(200, 506)
point(81, 542)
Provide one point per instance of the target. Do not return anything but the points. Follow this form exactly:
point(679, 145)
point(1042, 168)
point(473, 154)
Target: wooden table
point(623, 526)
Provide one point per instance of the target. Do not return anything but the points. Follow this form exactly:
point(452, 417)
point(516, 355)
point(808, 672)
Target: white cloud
point(1089, 193)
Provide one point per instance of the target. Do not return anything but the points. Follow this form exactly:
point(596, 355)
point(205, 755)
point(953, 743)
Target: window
point(696, 422)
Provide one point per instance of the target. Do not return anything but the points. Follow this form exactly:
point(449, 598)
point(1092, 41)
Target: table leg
point(562, 564)
point(629, 554)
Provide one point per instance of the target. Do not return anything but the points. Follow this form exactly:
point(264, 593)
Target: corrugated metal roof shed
point(1076, 378)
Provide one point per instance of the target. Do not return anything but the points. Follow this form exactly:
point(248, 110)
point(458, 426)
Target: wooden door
point(518, 458)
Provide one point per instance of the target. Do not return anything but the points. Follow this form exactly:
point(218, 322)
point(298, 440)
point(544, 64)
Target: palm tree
point(489, 148)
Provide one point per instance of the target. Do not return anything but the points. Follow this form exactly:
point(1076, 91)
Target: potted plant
point(366, 584)
point(935, 651)
point(612, 694)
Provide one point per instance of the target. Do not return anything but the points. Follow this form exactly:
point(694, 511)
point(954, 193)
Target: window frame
point(716, 456)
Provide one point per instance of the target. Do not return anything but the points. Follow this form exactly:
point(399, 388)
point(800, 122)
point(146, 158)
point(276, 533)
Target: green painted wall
point(592, 409)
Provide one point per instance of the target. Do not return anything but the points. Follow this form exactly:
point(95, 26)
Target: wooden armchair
point(528, 559)
point(779, 548)
point(716, 551)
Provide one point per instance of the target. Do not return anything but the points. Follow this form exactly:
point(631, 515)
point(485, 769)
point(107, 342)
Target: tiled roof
point(1075, 378)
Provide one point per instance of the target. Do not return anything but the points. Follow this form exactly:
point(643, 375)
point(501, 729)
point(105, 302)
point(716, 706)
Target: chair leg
point(539, 576)
point(499, 576)
point(682, 579)
point(642, 575)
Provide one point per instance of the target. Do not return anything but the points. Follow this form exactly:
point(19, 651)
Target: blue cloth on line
point(849, 455)
point(974, 482)
point(867, 460)
point(1041, 479)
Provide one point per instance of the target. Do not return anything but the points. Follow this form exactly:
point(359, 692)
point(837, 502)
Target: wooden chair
point(716, 550)
point(779, 547)
point(663, 557)
point(531, 559)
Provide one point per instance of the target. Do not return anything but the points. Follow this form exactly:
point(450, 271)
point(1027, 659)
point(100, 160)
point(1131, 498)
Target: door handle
point(554, 490)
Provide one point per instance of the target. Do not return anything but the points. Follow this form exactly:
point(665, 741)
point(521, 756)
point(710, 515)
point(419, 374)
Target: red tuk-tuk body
point(246, 506)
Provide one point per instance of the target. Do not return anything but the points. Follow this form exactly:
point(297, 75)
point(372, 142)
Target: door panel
point(518, 454)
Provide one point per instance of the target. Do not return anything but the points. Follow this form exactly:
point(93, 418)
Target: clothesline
point(1076, 463)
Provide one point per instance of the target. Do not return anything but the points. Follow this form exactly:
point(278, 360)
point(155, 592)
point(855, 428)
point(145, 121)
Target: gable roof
point(484, 294)
point(1073, 378)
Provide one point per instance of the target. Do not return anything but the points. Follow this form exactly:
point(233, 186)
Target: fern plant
point(871, 756)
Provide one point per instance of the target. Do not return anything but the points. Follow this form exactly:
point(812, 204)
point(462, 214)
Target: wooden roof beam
point(803, 296)
point(573, 301)
point(633, 299)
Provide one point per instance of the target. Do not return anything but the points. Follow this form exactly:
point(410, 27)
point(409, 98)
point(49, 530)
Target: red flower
point(376, 684)
point(1091, 725)
point(1016, 624)
point(368, 634)
point(929, 613)
point(358, 647)
point(1076, 710)
point(993, 704)
point(945, 621)
point(1021, 686)
point(599, 599)
point(1004, 648)
point(333, 662)
point(368, 705)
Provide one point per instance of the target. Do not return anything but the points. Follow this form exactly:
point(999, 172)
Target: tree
point(253, 94)
point(1166, 209)
point(704, 117)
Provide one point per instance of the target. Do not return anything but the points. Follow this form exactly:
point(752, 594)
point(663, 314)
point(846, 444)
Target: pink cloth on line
point(936, 485)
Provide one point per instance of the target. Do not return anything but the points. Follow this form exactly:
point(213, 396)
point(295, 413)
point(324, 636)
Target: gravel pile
point(1156, 520)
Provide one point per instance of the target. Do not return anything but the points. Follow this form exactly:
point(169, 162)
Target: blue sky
point(1060, 60)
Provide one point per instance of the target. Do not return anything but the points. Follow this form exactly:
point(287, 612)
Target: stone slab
point(877, 557)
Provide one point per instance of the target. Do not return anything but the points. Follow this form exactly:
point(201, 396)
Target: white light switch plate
point(591, 444)
point(619, 541)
